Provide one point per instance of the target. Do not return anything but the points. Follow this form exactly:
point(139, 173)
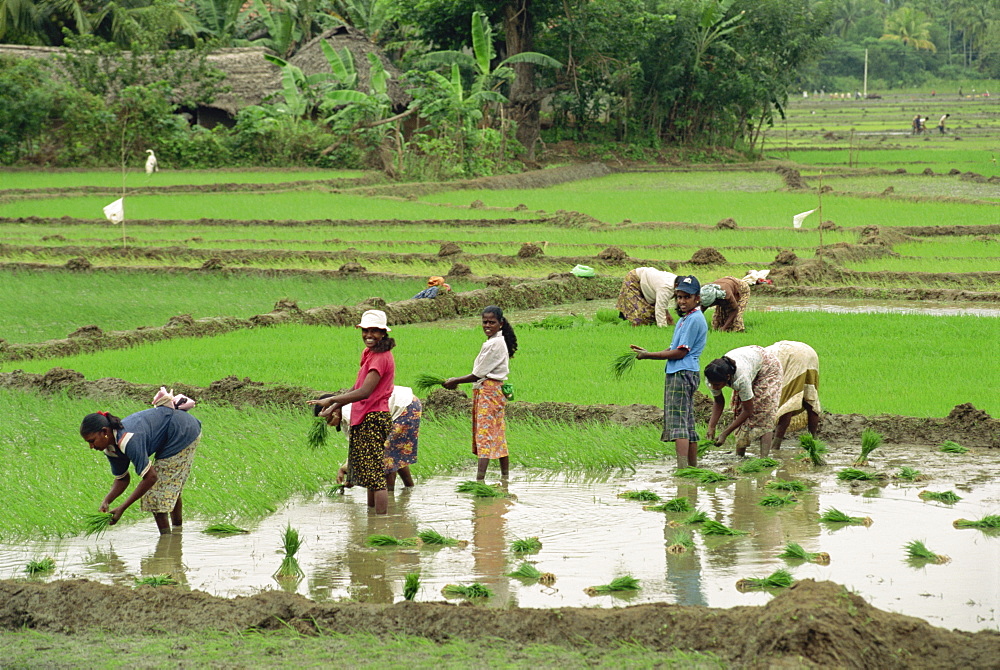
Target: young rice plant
point(949, 497)
point(794, 551)
point(814, 448)
point(675, 505)
point(949, 447)
point(223, 528)
point(156, 580)
point(97, 522)
point(779, 579)
point(870, 441)
point(290, 542)
point(432, 537)
point(775, 500)
point(474, 590)
point(644, 495)
point(711, 527)
point(411, 585)
point(526, 545)
point(834, 515)
point(390, 541)
point(623, 583)
point(47, 564)
point(988, 522)
point(787, 485)
point(918, 551)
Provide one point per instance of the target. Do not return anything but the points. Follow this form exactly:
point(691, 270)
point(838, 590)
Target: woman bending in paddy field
point(489, 372)
point(799, 386)
point(755, 375)
point(168, 434)
point(370, 417)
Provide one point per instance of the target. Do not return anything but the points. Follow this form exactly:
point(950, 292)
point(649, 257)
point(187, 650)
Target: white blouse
point(492, 361)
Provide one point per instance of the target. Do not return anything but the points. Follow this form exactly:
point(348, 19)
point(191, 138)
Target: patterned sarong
point(632, 304)
point(401, 446)
point(800, 376)
point(366, 450)
point(171, 473)
point(766, 388)
point(489, 430)
point(723, 310)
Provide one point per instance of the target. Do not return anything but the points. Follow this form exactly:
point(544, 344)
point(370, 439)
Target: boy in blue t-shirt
point(682, 371)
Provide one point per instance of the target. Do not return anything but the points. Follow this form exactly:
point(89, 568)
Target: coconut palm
point(909, 26)
point(20, 21)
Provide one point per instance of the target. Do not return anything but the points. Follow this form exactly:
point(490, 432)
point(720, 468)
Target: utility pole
point(864, 88)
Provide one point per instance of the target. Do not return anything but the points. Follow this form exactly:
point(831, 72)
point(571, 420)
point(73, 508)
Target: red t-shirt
point(378, 401)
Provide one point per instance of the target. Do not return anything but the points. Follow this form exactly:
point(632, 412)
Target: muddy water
point(927, 307)
point(589, 536)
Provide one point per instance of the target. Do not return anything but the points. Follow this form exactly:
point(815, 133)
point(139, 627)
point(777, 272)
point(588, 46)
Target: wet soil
point(819, 624)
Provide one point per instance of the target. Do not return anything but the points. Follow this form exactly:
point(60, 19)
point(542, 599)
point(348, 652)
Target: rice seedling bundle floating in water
point(779, 579)
point(757, 465)
point(787, 485)
point(679, 542)
point(426, 382)
point(834, 515)
point(390, 541)
point(411, 585)
point(623, 583)
point(870, 441)
point(675, 505)
point(480, 490)
point(854, 475)
point(711, 527)
point(950, 447)
point(918, 551)
point(526, 545)
point(909, 474)
point(794, 551)
point(526, 571)
point(97, 522)
point(698, 516)
point(814, 448)
point(47, 564)
point(474, 590)
point(290, 542)
point(986, 523)
point(703, 475)
point(775, 500)
point(623, 364)
point(317, 432)
point(639, 495)
point(949, 497)
point(432, 537)
point(223, 528)
point(156, 580)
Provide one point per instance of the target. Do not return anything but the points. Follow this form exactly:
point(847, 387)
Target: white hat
point(374, 318)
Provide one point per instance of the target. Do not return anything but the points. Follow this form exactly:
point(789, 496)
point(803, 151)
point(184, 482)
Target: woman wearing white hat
point(370, 416)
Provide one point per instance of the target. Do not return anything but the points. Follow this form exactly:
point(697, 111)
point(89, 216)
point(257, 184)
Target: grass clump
point(474, 590)
point(703, 475)
point(918, 551)
point(949, 497)
point(909, 474)
point(480, 490)
point(644, 495)
point(318, 433)
point(757, 465)
point(411, 585)
point(779, 579)
point(794, 551)
point(97, 522)
point(775, 500)
point(223, 528)
point(949, 447)
point(526, 545)
point(432, 537)
point(156, 580)
point(870, 441)
point(290, 543)
point(987, 522)
point(834, 515)
point(854, 475)
point(680, 541)
point(47, 564)
point(787, 485)
point(390, 541)
point(623, 583)
point(675, 505)
point(623, 364)
point(711, 527)
point(425, 382)
point(814, 448)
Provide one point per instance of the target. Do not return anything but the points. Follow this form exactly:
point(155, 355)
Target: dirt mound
point(967, 412)
point(529, 250)
point(571, 219)
point(727, 224)
point(612, 254)
point(449, 249)
point(708, 256)
point(843, 252)
point(459, 270)
point(828, 225)
point(811, 624)
point(352, 268)
point(87, 331)
point(792, 178)
point(806, 271)
point(785, 257)
point(214, 263)
point(78, 264)
point(286, 305)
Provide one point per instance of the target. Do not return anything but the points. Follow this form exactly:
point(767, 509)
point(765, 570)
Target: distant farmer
point(646, 296)
point(755, 376)
point(799, 386)
point(165, 433)
point(730, 297)
point(942, 122)
point(435, 285)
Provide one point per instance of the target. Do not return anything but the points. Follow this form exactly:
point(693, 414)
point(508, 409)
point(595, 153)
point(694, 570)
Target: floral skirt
point(766, 393)
point(722, 310)
point(171, 473)
point(401, 446)
point(366, 450)
point(800, 376)
point(489, 430)
point(632, 304)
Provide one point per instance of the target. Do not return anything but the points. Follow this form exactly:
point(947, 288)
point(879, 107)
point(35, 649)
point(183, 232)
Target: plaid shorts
point(678, 405)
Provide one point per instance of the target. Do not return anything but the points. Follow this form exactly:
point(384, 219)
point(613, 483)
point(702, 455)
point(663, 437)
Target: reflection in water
point(683, 571)
point(489, 539)
point(166, 559)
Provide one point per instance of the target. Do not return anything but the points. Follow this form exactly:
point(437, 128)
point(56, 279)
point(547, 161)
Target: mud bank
point(269, 187)
point(816, 623)
point(971, 426)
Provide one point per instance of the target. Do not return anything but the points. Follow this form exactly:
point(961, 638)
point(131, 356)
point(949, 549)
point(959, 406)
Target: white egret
point(151, 164)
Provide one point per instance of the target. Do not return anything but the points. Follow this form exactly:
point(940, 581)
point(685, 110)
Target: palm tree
point(909, 26)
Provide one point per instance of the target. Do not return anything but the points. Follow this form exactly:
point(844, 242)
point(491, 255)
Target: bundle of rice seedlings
point(156, 580)
point(950, 447)
point(411, 585)
point(909, 474)
point(698, 516)
point(918, 551)
point(639, 495)
point(779, 579)
point(623, 364)
point(317, 432)
point(47, 564)
point(480, 490)
point(854, 475)
point(223, 528)
point(425, 382)
point(703, 475)
point(757, 465)
point(787, 485)
point(870, 441)
point(96, 522)
point(526, 571)
point(290, 542)
point(431, 536)
point(624, 583)
point(526, 545)
point(794, 551)
point(679, 542)
point(474, 590)
point(814, 448)
point(775, 500)
point(834, 515)
point(704, 446)
point(987, 522)
point(941, 496)
point(675, 505)
point(712, 527)
point(390, 541)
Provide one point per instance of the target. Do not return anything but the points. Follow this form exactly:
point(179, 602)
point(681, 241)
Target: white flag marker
point(115, 211)
point(797, 219)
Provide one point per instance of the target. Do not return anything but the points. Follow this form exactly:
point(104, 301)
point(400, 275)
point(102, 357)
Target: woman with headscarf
point(730, 297)
point(799, 386)
point(435, 285)
point(755, 376)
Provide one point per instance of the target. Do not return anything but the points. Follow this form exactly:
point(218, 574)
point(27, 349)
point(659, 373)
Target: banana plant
point(301, 91)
